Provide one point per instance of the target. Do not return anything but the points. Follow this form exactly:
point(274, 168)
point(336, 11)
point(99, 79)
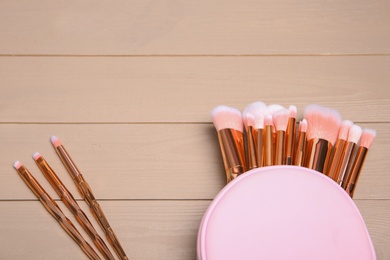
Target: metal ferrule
point(346, 157)
point(268, 146)
point(279, 148)
point(251, 148)
point(258, 136)
point(232, 148)
point(335, 159)
point(290, 141)
point(318, 154)
point(355, 171)
point(301, 149)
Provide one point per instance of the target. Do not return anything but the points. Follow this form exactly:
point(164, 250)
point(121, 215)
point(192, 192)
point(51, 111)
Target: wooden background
point(128, 87)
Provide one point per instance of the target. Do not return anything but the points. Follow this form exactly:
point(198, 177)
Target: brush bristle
point(258, 110)
point(271, 109)
point(17, 165)
point(281, 119)
point(344, 129)
point(36, 156)
point(268, 120)
point(368, 136)
point(225, 117)
point(54, 140)
point(322, 122)
point(354, 134)
point(293, 111)
point(303, 126)
point(250, 120)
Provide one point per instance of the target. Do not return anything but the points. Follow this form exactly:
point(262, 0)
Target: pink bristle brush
point(301, 144)
point(280, 119)
point(322, 129)
point(229, 125)
point(354, 134)
point(290, 136)
point(366, 140)
point(335, 156)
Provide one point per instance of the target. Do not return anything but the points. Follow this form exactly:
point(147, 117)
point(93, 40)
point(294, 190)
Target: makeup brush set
point(68, 199)
point(290, 186)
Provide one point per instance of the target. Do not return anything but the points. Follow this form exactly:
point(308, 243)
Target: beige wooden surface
point(128, 87)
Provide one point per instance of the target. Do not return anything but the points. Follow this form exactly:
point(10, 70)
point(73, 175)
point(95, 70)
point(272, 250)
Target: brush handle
point(89, 198)
point(52, 207)
point(74, 207)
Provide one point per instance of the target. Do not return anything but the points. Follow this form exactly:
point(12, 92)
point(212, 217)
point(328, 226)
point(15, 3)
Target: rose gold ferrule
point(251, 148)
point(335, 159)
point(318, 154)
point(300, 150)
point(31, 182)
point(258, 134)
point(355, 171)
point(268, 145)
point(345, 158)
point(67, 161)
point(290, 141)
point(232, 148)
point(279, 148)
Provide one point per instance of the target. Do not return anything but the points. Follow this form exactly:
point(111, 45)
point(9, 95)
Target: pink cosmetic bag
point(283, 212)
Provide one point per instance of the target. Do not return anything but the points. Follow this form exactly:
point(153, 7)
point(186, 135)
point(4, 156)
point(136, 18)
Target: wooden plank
point(196, 27)
point(161, 89)
point(147, 161)
point(146, 229)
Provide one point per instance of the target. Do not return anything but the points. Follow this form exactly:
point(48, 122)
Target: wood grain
point(194, 27)
point(146, 229)
point(171, 89)
point(147, 161)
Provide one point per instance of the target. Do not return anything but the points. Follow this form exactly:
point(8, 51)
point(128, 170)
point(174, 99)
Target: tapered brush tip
point(344, 129)
point(368, 136)
point(249, 120)
point(17, 165)
point(281, 119)
point(258, 110)
point(36, 156)
point(225, 117)
point(293, 111)
point(354, 134)
point(54, 140)
point(322, 122)
point(303, 126)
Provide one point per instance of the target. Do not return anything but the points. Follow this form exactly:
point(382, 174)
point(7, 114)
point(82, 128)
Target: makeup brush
point(301, 144)
point(354, 134)
point(249, 122)
point(337, 151)
point(52, 207)
point(280, 119)
point(290, 136)
point(268, 141)
point(255, 113)
point(322, 129)
point(86, 193)
point(366, 140)
point(73, 206)
point(271, 109)
point(229, 125)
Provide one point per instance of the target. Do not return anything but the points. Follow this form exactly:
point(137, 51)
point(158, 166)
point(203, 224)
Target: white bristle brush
point(280, 119)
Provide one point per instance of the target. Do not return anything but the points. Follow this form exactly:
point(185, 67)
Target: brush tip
point(368, 136)
point(17, 165)
point(54, 140)
point(258, 110)
point(268, 120)
point(271, 109)
point(354, 134)
point(293, 111)
point(344, 129)
point(281, 119)
point(322, 122)
point(225, 117)
point(250, 120)
point(36, 156)
point(303, 125)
